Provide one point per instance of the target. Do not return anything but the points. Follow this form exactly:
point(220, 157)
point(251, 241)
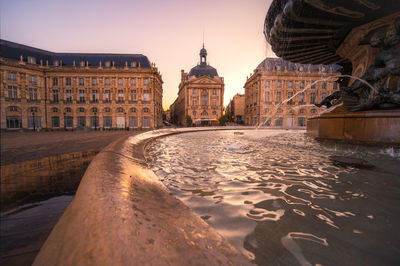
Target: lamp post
point(95, 121)
point(65, 126)
point(125, 120)
point(33, 120)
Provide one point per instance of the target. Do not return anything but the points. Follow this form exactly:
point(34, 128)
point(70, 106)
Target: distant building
point(235, 109)
point(200, 96)
point(42, 89)
point(276, 80)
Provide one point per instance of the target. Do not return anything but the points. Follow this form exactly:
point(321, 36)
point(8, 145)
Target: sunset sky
point(168, 32)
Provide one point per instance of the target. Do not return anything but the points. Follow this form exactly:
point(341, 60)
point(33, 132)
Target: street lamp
point(65, 126)
point(125, 120)
point(33, 120)
point(95, 121)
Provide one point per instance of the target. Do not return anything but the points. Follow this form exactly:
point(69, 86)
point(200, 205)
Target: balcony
point(133, 102)
point(107, 101)
point(120, 101)
point(145, 102)
point(13, 100)
point(33, 101)
point(68, 100)
point(94, 101)
point(81, 101)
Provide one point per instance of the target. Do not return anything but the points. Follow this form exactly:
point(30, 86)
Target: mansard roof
point(13, 50)
point(271, 64)
point(203, 70)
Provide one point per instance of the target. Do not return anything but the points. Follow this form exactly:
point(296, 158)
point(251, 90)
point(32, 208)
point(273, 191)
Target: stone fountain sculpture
point(363, 36)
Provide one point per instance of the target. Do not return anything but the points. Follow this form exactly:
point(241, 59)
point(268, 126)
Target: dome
point(203, 70)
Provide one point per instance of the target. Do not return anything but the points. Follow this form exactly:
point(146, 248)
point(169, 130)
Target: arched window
point(94, 110)
point(313, 111)
point(279, 110)
point(146, 110)
point(133, 110)
point(302, 111)
point(68, 110)
point(81, 109)
point(204, 112)
point(120, 110)
point(107, 110)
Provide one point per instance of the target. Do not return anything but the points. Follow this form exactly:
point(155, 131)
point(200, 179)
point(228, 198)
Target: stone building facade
point(200, 95)
point(275, 80)
point(41, 89)
point(235, 109)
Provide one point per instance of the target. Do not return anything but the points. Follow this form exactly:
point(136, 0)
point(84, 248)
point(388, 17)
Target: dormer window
point(31, 60)
point(133, 64)
point(107, 64)
point(56, 63)
point(82, 63)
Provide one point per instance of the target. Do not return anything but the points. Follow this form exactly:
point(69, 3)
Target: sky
point(168, 32)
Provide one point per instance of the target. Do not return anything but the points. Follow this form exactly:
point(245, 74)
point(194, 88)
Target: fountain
point(361, 36)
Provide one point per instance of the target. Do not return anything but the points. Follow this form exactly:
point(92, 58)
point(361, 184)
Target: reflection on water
point(279, 197)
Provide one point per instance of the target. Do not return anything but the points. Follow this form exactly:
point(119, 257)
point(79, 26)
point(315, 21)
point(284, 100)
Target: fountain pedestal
point(375, 126)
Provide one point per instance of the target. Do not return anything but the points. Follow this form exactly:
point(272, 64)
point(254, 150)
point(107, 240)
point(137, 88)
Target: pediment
point(204, 80)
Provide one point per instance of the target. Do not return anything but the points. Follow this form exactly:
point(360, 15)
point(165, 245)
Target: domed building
point(200, 95)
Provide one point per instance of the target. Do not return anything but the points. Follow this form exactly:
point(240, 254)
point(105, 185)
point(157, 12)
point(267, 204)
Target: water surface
point(280, 198)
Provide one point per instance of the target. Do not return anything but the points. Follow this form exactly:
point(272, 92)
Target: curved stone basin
point(123, 215)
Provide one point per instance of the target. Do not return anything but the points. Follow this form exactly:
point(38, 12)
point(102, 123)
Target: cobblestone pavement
point(23, 146)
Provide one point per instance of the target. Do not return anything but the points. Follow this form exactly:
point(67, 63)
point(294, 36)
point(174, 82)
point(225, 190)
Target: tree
point(222, 120)
point(189, 121)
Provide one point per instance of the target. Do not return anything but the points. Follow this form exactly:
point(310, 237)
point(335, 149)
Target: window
point(279, 121)
point(301, 84)
point(12, 92)
point(194, 113)
point(133, 64)
point(31, 60)
point(266, 97)
point(81, 96)
point(133, 122)
point(290, 95)
point(146, 82)
point(146, 110)
point(82, 63)
point(267, 84)
point(107, 110)
point(81, 109)
point(107, 64)
point(302, 111)
point(323, 96)
point(301, 96)
point(120, 110)
point(12, 76)
point(313, 111)
point(33, 96)
point(94, 81)
point(68, 110)
point(55, 110)
point(95, 96)
point(107, 121)
point(55, 122)
point(107, 96)
point(146, 95)
point(81, 121)
point(312, 98)
point(34, 122)
point(194, 91)
point(279, 111)
point(132, 110)
point(146, 122)
point(214, 92)
point(69, 121)
point(68, 96)
point(94, 110)
point(279, 84)
point(194, 101)
point(13, 108)
point(133, 81)
point(301, 121)
point(133, 95)
point(120, 82)
point(120, 95)
point(334, 85)
point(267, 121)
point(290, 84)
point(266, 110)
point(81, 82)
point(14, 122)
point(213, 102)
point(34, 109)
point(33, 80)
point(55, 95)
point(313, 85)
point(68, 81)
point(278, 97)
point(94, 121)
point(204, 113)
point(214, 113)
point(55, 81)
point(107, 81)
point(324, 85)
point(204, 100)
point(56, 63)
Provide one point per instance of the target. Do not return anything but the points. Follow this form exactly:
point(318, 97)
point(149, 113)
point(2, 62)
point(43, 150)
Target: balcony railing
point(13, 100)
point(33, 101)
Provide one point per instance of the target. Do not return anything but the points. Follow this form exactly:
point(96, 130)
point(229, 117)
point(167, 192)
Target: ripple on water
point(278, 197)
